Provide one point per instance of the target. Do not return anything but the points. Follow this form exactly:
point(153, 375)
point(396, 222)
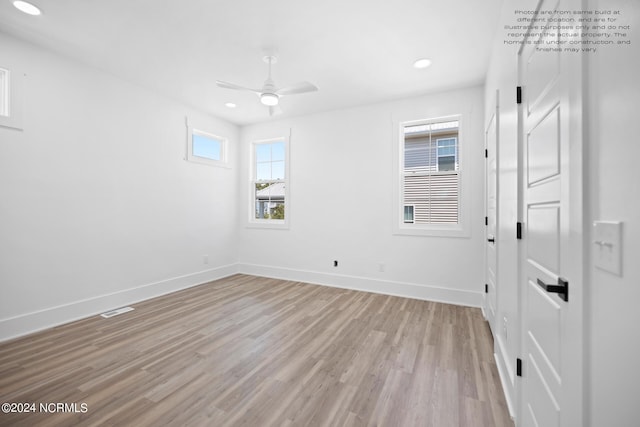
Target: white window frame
point(11, 97)
point(413, 213)
point(263, 222)
point(455, 154)
point(224, 143)
point(5, 92)
point(462, 228)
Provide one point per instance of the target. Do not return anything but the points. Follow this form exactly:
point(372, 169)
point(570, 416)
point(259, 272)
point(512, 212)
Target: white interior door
point(491, 251)
point(547, 279)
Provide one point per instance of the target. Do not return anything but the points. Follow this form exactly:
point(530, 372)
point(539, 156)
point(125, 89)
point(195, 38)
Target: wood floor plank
point(252, 351)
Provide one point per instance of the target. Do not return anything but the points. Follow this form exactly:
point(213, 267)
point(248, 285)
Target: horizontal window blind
point(431, 176)
point(434, 197)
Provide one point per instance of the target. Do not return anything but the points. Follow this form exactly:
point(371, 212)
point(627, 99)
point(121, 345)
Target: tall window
point(430, 180)
point(269, 183)
point(11, 97)
point(4, 92)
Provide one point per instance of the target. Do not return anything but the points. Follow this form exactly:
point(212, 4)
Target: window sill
point(213, 163)
point(456, 231)
point(269, 225)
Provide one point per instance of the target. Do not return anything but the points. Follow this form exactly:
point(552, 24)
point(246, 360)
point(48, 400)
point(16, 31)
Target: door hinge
point(486, 220)
point(519, 95)
point(519, 367)
point(486, 153)
point(518, 230)
point(486, 288)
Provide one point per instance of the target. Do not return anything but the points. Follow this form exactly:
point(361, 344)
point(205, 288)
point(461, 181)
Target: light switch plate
point(607, 242)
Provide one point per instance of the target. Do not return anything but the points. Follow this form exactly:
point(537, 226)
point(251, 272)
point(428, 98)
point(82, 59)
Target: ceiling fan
point(270, 94)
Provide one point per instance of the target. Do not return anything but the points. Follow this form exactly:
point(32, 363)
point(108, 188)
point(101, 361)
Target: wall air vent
point(115, 312)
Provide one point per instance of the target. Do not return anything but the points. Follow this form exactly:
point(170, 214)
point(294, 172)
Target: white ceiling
point(356, 51)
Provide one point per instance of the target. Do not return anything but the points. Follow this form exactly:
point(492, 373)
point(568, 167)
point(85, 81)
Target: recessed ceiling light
point(422, 63)
point(27, 8)
point(230, 105)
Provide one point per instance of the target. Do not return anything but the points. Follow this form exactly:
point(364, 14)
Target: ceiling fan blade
point(275, 110)
point(302, 87)
point(227, 85)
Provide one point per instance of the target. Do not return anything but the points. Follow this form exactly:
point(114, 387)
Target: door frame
point(494, 121)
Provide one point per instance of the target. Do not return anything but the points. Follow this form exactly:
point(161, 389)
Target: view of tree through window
point(430, 173)
point(269, 183)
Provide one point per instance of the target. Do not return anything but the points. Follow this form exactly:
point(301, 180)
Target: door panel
point(543, 242)
point(543, 410)
point(545, 323)
point(543, 148)
point(546, 67)
point(545, 212)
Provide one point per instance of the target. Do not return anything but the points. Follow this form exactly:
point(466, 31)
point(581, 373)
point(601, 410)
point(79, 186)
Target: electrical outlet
point(205, 259)
point(504, 328)
point(335, 263)
point(381, 267)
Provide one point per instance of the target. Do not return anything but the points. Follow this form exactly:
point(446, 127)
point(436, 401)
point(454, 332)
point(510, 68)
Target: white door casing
point(491, 239)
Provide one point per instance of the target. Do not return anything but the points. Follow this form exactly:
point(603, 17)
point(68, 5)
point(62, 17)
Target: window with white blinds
point(430, 182)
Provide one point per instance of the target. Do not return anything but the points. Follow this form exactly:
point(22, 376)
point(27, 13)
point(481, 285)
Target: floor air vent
point(116, 312)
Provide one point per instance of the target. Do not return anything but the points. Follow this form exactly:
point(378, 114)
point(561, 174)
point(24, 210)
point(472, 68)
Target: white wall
point(99, 208)
point(96, 201)
point(341, 205)
point(613, 129)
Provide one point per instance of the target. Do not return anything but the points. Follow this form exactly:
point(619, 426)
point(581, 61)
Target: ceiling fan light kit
point(270, 94)
point(269, 99)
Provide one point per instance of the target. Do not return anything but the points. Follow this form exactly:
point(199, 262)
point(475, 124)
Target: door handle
point(562, 288)
point(491, 240)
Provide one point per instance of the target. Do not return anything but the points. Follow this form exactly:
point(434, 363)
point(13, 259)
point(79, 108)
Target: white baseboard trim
point(483, 306)
point(506, 376)
point(386, 287)
point(36, 321)
point(32, 322)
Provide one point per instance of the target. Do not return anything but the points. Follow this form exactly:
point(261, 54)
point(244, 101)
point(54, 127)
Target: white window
point(269, 182)
point(429, 177)
point(4, 92)
point(447, 154)
point(206, 148)
point(11, 84)
point(408, 214)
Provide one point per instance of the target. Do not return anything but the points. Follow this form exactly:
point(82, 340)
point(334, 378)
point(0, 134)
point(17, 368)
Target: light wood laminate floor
point(250, 351)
